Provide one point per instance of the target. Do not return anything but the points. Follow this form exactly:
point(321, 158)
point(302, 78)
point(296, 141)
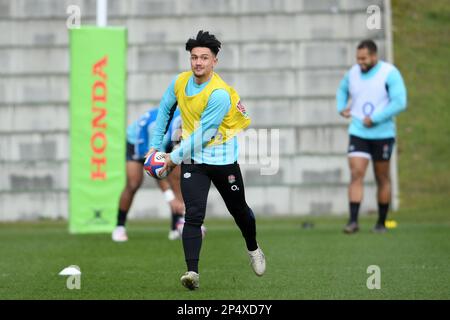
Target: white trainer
point(174, 235)
point(120, 234)
point(191, 280)
point(203, 232)
point(180, 226)
point(258, 261)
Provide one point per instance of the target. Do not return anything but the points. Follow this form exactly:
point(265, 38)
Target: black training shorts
point(375, 149)
point(131, 154)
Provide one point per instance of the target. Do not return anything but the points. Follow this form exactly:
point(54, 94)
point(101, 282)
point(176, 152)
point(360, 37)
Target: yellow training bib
point(192, 107)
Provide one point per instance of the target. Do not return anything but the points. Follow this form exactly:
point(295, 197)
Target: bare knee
point(383, 180)
point(357, 176)
point(132, 186)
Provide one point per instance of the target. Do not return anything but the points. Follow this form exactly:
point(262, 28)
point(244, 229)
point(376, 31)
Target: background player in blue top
point(138, 141)
point(377, 93)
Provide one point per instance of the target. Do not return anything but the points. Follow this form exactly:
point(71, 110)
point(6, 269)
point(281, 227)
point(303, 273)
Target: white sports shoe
point(191, 280)
point(203, 231)
point(174, 235)
point(258, 261)
point(180, 226)
point(120, 234)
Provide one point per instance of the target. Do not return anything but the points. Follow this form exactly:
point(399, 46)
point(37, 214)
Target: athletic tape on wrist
point(169, 195)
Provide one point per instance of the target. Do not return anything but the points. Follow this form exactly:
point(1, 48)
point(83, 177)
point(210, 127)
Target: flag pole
point(102, 13)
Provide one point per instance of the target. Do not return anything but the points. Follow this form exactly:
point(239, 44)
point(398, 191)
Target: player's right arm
point(166, 109)
point(342, 97)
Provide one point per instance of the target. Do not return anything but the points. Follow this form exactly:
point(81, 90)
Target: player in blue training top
point(138, 143)
point(377, 94)
point(212, 115)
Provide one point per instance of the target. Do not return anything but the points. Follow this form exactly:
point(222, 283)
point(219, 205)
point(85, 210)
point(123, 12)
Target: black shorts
point(376, 149)
point(131, 154)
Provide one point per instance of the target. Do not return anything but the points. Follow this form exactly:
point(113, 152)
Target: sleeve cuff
point(375, 119)
point(175, 157)
point(341, 108)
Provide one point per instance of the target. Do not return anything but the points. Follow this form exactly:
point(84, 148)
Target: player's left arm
point(218, 106)
point(397, 98)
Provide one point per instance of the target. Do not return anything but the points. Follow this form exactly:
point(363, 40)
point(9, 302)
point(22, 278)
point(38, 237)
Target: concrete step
point(36, 146)
point(22, 176)
point(283, 114)
point(33, 206)
point(296, 201)
point(229, 28)
point(255, 144)
point(47, 9)
point(301, 170)
point(290, 171)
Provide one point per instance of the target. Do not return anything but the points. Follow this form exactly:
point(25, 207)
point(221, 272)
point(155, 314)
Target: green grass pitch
point(317, 263)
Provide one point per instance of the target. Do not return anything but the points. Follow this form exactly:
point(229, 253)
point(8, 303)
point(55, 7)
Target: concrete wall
point(285, 58)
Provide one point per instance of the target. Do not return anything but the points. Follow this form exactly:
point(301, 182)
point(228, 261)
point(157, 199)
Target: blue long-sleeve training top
point(194, 148)
point(383, 119)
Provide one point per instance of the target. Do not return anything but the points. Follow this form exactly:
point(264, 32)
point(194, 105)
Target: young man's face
point(365, 59)
point(203, 61)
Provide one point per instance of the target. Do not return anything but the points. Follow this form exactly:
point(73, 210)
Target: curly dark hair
point(369, 45)
point(204, 39)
